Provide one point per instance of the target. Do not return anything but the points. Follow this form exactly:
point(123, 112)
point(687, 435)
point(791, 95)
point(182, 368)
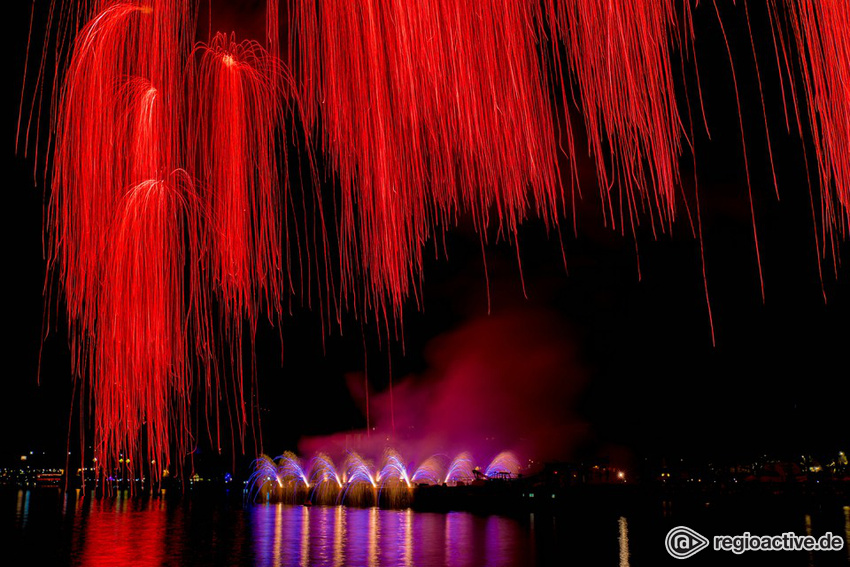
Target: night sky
point(648, 379)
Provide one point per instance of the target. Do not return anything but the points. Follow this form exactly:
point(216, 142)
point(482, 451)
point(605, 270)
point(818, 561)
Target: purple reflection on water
point(66, 529)
point(338, 535)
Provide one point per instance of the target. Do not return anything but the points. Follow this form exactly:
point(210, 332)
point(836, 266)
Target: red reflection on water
point(147, 532)
point(122, 531)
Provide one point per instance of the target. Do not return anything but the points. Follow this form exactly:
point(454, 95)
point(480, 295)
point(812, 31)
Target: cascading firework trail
point(236, 112)
point(119, 218)
point(818, 30)
point(425, 113)
point(101, 145)
point(136, 249)
point(619, 53)
point(142, 327)
point(232, 136)
point(168, 217)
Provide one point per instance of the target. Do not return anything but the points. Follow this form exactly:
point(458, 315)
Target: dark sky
point(776, 381)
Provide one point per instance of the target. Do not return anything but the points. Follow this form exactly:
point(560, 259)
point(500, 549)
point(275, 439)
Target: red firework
point(818, 30)
point(141, 377)
point(169, 180)
point(94, 160)
point(118, 224)
point(425, 113)
point(233, 138)
point(235, 120)
point(620, 56)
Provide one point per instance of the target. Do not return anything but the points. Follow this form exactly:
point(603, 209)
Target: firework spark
point(142, 328)
point(425, 114)
point(168, 222)
point(620, 56)
point(818, 30)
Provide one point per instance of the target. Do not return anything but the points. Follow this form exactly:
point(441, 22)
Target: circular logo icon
point(683, 542)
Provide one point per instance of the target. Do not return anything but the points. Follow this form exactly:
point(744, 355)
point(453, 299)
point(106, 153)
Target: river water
point(48, 527)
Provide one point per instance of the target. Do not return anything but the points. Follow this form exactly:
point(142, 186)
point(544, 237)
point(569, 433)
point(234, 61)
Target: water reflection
point(407, 549)
point(458, 540)
point(22, 510)
point(337, 535)
point(374, 534)
point(213, 531)
point(278, 535)
point(847, 530)
point(124, 531)
point(810, 554)
point(624, 542)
